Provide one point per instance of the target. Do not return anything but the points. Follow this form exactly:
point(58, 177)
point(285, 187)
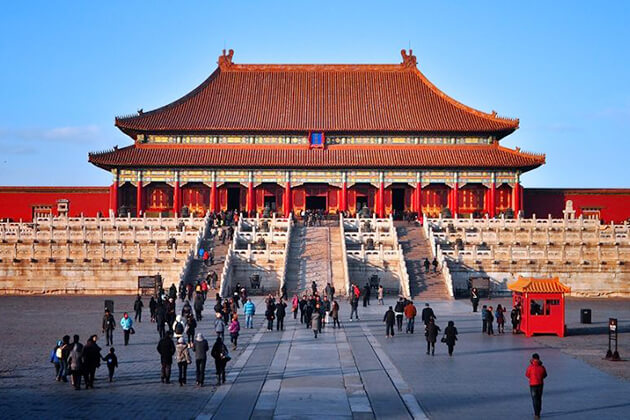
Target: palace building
point(336, 138)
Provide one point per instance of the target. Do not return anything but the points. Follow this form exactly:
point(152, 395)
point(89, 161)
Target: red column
point(113, 198)
point(250, 198)
point(381, 200)
point(492, 201)
point(288, 206)
point(343, 199)
point(176, 199)
point(213, 197)
point(516, 198)
point(454, 200)
point(139, 200)
point(419, 200)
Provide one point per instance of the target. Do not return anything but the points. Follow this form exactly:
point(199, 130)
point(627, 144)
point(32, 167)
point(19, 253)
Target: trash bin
point(109, 306)
point(585, 316)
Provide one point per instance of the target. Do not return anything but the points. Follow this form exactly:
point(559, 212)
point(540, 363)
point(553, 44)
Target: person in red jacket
point(536, 373)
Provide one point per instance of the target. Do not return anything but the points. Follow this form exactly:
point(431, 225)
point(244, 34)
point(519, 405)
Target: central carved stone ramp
point(198, 270)
point(309, 259)
point(416, 248)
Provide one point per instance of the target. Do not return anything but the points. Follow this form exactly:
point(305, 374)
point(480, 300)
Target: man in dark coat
point(160, 319)
point(280, 314)
point(427, 314)
point(431, 333)
point(91, 361)
point(198, 303)
point(108, 327)
point(367, 291)
point(166, 348)
point(474, 298)
point(137, 307)
point(389, 320)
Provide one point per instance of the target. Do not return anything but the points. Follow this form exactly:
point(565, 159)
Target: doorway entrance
point(398, 201)
point(362, 202)
point(270, 202)
point(234, 198)
point(316, 203)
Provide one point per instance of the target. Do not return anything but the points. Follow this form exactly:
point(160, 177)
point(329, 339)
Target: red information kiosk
point(542, 305)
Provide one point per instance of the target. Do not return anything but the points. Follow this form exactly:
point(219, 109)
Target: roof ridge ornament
point(225, 60)
point(409, 60)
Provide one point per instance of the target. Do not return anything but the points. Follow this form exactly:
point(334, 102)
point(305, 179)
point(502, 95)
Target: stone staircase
point(198, 270)
point(309, 259)
point(416, 248)
point(336, 261)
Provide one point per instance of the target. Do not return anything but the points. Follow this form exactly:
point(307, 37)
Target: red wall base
point(17, 202)
point(612, 205)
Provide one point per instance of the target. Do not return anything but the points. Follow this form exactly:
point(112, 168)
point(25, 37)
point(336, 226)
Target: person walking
point(367, 292)
point(399, 310)
point(334, 312)
point(281, 312)
point(295, 303)
point(450, 337)
point(427, 265)
point(152, 308)
point(66, 347)
point(234, 328)
point(389, 318)
point(500, 316)
point(75, 362)
point(249, 309)
point(182, 356)
point(431, 333)
point(302, 307)
point(474, 298)
point(381, 292)
point(219, 325)
point(270, 315)
point(112, 363)
point(427, 314)
point(354, 305)
point(484, 319)
point(191, 326)
point(91, 360)
point(515, 316)
point(315, 319)
point(55, 358)
point(221, 356)
point(160, 319)
point(489, 321)
point(109, 324)
point(137, 307)
point(434, 263)
point(200, 347)
point(536, 373)
point(127, 326)
point(166, 349)
point(410, 313)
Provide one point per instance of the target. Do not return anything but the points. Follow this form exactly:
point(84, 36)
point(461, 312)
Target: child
point(112, 363)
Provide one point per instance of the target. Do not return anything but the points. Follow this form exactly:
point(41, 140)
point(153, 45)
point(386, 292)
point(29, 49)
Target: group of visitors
point(489, 315)
point(406, 308)
point(80, 361)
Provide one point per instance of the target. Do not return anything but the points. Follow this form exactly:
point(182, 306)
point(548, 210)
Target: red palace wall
point(609, 204)
point(17, 202)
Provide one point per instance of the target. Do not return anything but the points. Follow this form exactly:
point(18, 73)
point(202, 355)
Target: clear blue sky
point(562, 67)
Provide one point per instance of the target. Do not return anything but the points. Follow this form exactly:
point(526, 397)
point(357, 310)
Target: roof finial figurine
point(494, 113)
point(140, 111)
point(409, 60)
point(225, 60)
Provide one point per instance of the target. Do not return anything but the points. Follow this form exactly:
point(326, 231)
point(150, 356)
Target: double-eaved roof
point(319, 97)
point(334, 99)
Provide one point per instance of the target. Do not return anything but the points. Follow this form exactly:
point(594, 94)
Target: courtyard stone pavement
point(349, 373)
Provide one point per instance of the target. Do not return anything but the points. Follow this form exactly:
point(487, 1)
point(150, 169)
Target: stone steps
point(416, 248)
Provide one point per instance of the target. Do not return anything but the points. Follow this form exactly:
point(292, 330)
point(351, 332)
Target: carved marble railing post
point(103, 251)
point(32, 250)
point(121, 248)
point(139, 251)
point(15, 251)
point(50, 250)
point(68, 238)
point(68, 255)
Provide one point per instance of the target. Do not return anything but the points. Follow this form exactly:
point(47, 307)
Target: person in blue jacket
point(127, 326)
point(249, 309)
point(55, 359)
